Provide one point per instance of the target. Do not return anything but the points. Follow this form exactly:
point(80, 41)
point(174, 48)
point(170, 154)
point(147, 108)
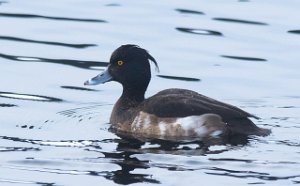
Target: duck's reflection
point(128, 164)
point(128, 147)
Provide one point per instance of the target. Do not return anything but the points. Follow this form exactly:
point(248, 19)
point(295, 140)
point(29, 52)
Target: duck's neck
point(125, 110)
point(131, 97)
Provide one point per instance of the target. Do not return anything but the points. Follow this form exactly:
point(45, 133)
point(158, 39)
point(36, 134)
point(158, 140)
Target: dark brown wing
point(182, 103)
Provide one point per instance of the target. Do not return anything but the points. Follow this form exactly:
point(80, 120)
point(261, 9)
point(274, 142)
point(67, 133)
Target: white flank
point(193, 123)
point(162, 127)
point(141, 121)
point(136, 123)
point(147, 121)
point(206, 125)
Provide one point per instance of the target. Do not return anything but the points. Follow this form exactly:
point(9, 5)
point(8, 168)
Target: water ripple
point(289, 143)
point(2, 2)
point(78, 88)
point(62, 143)
point(199, 31)
point(118, 176)
point(239, 21)
point(14, 149)
point(249, 174)
point(186, 11)
point(3, 180)
point(46, 42)
point(294, 31)
point(231, 160)
point(79, 112)
point(7, 105)
point(179, 78)
point(75, 63)
point(30, 97)
point(113, 4)
point(50, 17)
point(244, 58)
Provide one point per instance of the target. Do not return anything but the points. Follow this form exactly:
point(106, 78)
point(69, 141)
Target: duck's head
point(128, 65)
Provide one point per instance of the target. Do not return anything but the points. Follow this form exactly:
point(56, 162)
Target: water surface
point(55, 131)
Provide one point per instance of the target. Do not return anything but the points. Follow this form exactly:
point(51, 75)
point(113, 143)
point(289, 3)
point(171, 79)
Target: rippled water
point(54, 131)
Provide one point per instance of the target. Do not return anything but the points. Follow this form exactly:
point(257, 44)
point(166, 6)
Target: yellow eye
point(120, 62)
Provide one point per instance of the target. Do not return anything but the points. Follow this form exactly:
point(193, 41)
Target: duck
point(172, 113)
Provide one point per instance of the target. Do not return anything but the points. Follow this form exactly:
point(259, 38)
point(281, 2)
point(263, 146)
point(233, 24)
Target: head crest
point(129, 47)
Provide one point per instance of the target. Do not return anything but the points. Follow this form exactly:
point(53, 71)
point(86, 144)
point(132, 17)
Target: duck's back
point(181, 103)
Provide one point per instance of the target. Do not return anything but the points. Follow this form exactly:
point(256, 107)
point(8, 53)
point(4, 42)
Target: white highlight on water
point(22, 96)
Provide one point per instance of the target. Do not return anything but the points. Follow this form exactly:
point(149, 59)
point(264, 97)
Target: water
point(54, 131)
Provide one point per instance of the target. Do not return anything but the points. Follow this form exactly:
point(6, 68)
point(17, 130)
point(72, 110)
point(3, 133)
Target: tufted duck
point(171, 113)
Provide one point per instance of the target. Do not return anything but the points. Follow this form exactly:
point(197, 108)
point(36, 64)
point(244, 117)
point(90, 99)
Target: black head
point(129, 65)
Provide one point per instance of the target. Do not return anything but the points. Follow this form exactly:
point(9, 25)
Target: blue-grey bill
point(101, 78)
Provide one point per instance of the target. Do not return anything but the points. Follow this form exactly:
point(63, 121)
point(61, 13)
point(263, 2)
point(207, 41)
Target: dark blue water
point(54, 131)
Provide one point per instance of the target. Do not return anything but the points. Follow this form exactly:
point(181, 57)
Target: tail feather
point(245, 126)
